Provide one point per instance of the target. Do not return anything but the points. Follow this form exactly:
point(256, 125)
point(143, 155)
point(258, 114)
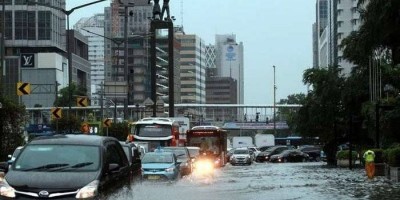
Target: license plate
point(153, 177)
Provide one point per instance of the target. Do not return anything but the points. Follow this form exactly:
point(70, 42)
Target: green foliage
point(290, 114)
point(119, 131)
point(393, 156)
point(12, 117)
point(379, 31)
point(63, 99)
point(65, 124)
point(345, 154)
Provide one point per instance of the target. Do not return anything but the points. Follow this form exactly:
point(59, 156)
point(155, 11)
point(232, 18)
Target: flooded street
point(269, 181)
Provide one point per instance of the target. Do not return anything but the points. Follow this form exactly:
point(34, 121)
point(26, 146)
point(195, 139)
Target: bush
point(393, 156)
point(344, 154)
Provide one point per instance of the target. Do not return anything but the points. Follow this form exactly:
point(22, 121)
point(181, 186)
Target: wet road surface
point(284, 181)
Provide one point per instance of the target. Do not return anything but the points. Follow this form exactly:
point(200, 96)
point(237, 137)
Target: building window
point(8, 29)
point(25, 25)
point(44, 25)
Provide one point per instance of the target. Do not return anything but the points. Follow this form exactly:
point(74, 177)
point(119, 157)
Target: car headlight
point(171, 169)
point(90, 190)
point(5, 189)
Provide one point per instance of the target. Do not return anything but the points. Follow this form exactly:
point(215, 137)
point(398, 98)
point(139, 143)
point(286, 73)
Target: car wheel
point(285, 160)
point(304, 160)
point(318, 159)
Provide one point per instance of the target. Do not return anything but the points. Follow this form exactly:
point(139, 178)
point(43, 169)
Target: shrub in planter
point(345, 154)
point(394, 157)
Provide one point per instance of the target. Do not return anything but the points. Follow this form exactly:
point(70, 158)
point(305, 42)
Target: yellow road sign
point(56, 113)
point(82, 101)
point(107, 122)
point(23, 88)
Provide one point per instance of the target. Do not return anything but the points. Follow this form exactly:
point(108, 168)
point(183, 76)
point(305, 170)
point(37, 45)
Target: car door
point(113, 179)
point(136, 161)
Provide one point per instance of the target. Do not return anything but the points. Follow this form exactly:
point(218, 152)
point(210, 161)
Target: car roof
point(160, 153)
point(242, 148)
point(72, 139)
point(193, 147)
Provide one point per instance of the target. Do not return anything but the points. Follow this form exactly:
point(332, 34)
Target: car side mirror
point(113, 167)
point(4, 167)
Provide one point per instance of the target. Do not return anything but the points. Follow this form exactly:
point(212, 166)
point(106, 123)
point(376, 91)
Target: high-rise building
point(93, 29)
point(229, 61)
point(192, 71)
point(336, 19)
point(138, 50)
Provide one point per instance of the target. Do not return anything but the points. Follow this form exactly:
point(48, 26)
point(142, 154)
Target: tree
point(68, 122)
point(380, 30)
point(290, 114)
point(322, 110)
point(63, 99)
point(12, 118)
point(119, 131)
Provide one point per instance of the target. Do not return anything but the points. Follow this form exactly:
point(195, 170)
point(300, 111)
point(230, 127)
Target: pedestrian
point(369, 158)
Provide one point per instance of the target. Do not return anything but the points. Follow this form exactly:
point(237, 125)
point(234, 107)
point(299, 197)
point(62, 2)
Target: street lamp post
point(274, 103)
point(69, 55)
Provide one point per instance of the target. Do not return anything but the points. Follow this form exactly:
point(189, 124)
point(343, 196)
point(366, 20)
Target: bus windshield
point(153, 130)
point(205, 143)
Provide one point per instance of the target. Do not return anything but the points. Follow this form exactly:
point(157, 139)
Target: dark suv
point(314, 152)
point(266, 155)
point(67, 167)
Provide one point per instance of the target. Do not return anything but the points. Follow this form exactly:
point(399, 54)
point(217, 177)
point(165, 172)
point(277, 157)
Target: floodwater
point(286, 181)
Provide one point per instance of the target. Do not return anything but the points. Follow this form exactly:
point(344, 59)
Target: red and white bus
point(211, 140)
point(157, 132)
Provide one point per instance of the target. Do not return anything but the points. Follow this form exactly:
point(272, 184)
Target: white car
point(255, 151)
point(241, 156)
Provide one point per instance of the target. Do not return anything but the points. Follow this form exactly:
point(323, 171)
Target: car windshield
point(58, 157)
point(180, 153)
point(194, 152)
point(240, 151)
point(157, 158)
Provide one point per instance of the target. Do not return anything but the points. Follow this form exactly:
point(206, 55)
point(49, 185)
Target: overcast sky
point(273, 32)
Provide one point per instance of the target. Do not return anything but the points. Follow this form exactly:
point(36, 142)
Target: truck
point(264, 140)
point(242, 141)
point(184, 126)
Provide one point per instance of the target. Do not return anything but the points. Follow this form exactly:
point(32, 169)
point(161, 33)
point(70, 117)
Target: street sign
point(107, 122)
point(23, 88)
point(82, 101)
point(56, 113)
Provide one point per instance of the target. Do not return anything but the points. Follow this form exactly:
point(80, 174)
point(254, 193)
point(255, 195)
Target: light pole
point(274, 103)
point(69, 55)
